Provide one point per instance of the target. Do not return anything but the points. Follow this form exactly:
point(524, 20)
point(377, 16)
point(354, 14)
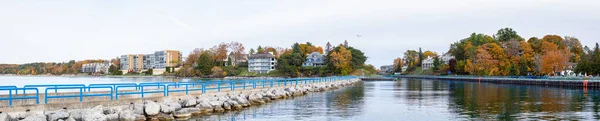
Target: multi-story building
point(314, 59)
point(261, 63)
point(159, 60)
point(387, 69)
point(96, 67)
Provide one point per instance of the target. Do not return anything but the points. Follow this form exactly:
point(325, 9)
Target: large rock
point(5, 117)
point(226, 105)
point(205, 107)
point(35, 117)
point(169, 108)
point(151, 108)
point(183, 113)
point(165, 117)
point(56, 115)
point(241, 100)
point(233, 104)
point(95, 114)
point(137, 108)
point(112, 117)
point(127, 115)
point(188, 102)
point(217, 106)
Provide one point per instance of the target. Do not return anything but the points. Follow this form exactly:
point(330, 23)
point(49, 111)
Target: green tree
point(507, 34)
point(205, 63)
point(259, 50)
point(149, 72)
point(436, 63)
point(252, 51)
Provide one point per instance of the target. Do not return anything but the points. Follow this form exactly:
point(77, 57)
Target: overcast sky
point(62, 30)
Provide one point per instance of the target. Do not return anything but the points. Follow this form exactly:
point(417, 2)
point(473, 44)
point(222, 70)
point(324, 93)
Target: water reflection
point(416, 99)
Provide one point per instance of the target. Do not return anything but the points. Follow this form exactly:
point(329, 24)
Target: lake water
point(429, 100)
point(406, 99)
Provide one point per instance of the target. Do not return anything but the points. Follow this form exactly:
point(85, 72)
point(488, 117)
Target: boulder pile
point(183, 108)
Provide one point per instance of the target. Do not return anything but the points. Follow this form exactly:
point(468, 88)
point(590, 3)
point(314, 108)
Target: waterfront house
point(261, 63)
point(427, 63)
point(387, 69)
point(446, 57)
point(314, 59)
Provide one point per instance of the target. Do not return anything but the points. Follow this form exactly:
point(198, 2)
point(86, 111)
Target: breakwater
point(551, 81)
point(177, 107)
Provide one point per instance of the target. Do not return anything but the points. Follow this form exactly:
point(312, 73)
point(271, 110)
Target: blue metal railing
point(55, 86)
point(80, 95)
point(119, 89)
point(11, 97)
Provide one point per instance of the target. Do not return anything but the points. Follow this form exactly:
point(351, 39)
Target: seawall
point(158, 107)
point(592, 82)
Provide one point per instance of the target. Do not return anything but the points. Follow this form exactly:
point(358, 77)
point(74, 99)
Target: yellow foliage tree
point(341, 60)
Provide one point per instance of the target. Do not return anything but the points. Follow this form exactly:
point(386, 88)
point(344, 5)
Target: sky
point(63, 30)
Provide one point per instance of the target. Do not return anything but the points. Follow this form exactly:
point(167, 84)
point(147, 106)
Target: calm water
point(430, 100)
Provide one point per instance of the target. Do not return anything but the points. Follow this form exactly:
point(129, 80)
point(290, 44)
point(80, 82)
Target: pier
point(125, 99)
point(526, 80)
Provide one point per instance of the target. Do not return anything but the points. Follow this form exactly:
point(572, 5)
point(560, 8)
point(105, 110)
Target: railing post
point(166, 90)
point(186, 89)
point(204, 88)
point(10, 97)
point(111, 93)
point(55, 90)
point(142, 88)
point(232, 85)
point(81, 94)
point(45, 95)
point(37, 96)
point(219, 87)
point(117, 91)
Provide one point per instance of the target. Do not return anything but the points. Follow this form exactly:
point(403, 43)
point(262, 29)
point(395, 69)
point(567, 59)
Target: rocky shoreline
point(181, 109)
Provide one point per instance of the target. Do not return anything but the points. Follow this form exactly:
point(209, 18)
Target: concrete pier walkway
point(175, 105)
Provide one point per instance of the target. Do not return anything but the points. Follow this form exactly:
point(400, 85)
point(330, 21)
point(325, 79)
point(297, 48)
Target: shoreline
point(550, 81)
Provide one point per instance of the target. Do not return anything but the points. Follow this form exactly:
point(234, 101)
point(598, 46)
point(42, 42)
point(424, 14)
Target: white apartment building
point(96, 67)
point(261, 63)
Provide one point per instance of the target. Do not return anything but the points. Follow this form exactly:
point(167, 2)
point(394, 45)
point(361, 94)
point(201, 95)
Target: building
point(234, 61)
point(261, 63)
point(387, 69)
point(157, 61)
point(96, 67)
point(446, 57)
point(314, 59)
point(427, 63)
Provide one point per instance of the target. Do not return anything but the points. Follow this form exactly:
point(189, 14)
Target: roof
point(315, 55)
point(260, 56)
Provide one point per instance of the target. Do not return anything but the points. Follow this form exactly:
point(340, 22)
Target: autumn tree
point(237, 51)
point(219, 53)
point(429, 54)
point(341, 60)
point(553, 58)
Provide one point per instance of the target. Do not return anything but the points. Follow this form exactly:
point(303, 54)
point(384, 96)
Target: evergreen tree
point(420, 57)
point(205, 63)
point(259, 50)
point(251, 50)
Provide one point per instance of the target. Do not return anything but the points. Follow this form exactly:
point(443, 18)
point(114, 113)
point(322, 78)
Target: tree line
point(507, 53)
point(40, 68)
point(215, 62)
